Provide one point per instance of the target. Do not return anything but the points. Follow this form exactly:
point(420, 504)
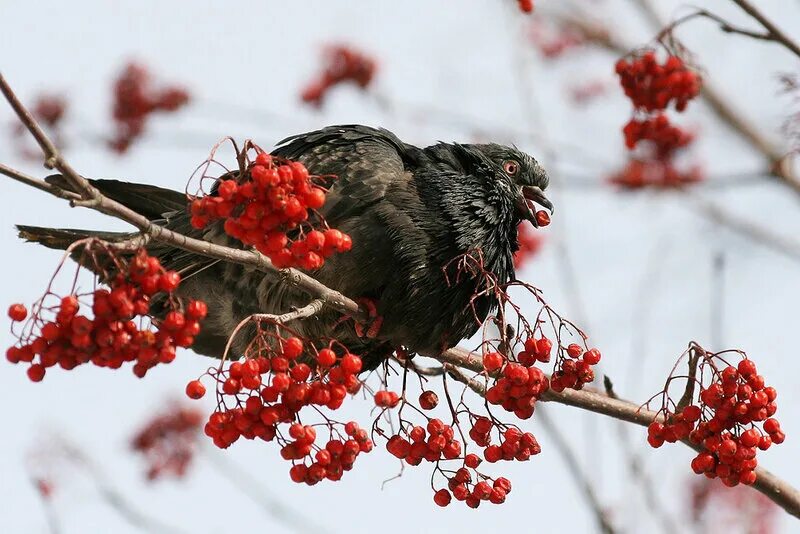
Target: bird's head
point(525, 176)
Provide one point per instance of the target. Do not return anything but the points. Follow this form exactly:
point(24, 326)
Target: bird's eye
point(511, 168)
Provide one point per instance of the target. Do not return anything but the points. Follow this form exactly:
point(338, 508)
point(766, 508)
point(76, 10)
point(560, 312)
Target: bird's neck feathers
point(478, 200)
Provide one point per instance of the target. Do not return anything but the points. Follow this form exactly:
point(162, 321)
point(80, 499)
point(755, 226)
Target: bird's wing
point(362, 162)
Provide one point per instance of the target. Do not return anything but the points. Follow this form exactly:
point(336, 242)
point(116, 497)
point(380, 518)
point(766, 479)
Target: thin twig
point(114, 497)
point(776, 34)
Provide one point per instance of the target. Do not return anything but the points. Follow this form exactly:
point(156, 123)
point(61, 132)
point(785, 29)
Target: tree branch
point(775, 33)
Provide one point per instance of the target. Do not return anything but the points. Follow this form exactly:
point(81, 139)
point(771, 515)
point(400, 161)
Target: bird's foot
point(373, 326)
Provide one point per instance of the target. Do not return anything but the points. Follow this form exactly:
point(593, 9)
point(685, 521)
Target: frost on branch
point(106, 326)
point(271, 204)
point(725, 411)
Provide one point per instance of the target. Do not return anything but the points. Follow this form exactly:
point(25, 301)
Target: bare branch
point(775, 33)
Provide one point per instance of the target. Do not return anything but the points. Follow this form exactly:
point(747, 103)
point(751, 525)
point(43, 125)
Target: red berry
point(428, 400)
point(442, 497)
point(17, 312)
point(195, 389)
point(492, 361)
point(36, 372)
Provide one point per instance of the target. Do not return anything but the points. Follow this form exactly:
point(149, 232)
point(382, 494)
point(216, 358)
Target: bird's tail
point(62, 238)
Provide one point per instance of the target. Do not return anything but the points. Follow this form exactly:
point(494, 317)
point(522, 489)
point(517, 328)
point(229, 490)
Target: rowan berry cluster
point(168, 442)
point(724, 422)
point(135, 99)
point(263, 395)
point(342, 64)
point(119, 331)
point(652, 88)
point(657, 130)
point(272, 206)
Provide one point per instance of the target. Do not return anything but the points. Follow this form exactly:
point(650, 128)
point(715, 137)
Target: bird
point(410, 212)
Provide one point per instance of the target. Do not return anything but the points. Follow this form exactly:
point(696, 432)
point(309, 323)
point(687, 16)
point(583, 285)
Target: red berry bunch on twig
point(168, 442)
point(342, 64)
point(730, 418)
point(272, 205)
point(116, 327)
point(282, 380)
point(530, 243)
point(652, 87)
point(135, 99)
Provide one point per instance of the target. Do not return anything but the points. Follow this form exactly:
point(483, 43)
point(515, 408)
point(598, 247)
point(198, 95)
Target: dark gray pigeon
point(410, 211)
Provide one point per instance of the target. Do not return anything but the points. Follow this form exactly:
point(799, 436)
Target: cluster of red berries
point(168, 442)
point(518, 386)
point(436, 444)
point(270, 389)
point(574, 370)
point(459, 484)
point(331, 461)
point(343, 64)
point(530, 243)
point(262, 208)
point(526, 6)
point(135, 99)
point(639, 174)
point(657, 130)
point(112, 337)
point(514, 446)
point(724, 425)
point(652, 86)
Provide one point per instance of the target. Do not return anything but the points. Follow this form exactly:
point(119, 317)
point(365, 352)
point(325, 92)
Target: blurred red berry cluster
point(652, 87)
point(715, 508)
point(135, 99)
point(168, 442)
point(119, 331)
point(341, 64)
point(530, 243)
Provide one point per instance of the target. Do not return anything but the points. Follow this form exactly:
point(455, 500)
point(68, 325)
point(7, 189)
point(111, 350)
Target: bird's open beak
point(525, 203)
